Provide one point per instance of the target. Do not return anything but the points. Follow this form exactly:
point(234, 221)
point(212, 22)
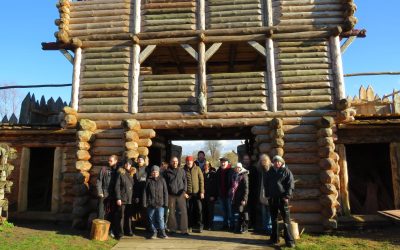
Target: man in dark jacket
point(105, 189)
point(201, 160)
point(223, 177)
point(239, 194)
point(123, 195)
point(254, 188)
point(155, 199)
point(194, 194)
point(142, 172)
point(177, 186)
point(210, 194)
point(279, 186)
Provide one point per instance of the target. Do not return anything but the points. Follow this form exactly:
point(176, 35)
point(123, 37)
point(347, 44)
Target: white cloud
point(189, 146)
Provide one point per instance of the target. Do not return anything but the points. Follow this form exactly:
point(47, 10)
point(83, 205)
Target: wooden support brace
point(146, 53)
point(67, 55)
point(260, 49)
point(189, 49)
point(347, 43)
point(212, 50)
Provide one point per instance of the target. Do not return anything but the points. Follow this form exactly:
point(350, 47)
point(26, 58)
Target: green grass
point(348, 241)
point(17, 238)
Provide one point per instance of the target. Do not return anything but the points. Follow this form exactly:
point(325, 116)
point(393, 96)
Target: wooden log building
point(152, 71)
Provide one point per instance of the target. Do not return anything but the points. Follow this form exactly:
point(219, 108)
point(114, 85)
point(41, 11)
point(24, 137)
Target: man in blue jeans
point(155, 198)
point(223, 177)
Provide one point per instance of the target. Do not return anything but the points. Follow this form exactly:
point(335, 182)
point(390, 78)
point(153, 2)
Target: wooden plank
point(76, 79)
point(258, 47)
point(212, 50)
point(395, 162)
point(392, 214)
point(55, 194)
point(23, 180)
point(146, 53)
point(189, 49)
point(344, 179)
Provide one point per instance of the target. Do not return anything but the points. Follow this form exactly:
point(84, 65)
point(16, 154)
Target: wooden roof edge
point(56, 46)
point(359, 33)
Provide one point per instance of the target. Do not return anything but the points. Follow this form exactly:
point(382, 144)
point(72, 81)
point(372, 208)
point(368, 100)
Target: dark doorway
point(370, 178)
point(40, 179)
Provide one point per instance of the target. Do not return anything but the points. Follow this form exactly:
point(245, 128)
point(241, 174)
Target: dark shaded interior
point(370, 178)
point(40, 180)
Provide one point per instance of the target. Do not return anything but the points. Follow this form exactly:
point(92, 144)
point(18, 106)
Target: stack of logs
point(138, 140)
point(315, 14)
point(68, 118)
point(304, 75)
point(234, 14)
point(81, 207)
point(262, 144)
point(276, 135)
point(94, 20)
point(6, 153)
point(230, 92)
point(345, 112)
point(329, 174)
point(160, 15)
point(168, 93)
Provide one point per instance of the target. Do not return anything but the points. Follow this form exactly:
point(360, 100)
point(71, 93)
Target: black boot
point(163, 235)
point(244, 228)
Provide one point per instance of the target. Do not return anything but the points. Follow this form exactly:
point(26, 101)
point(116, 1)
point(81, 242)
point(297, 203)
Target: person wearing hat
point(279, 186)
point(155, 198)
point(194, 194)
point(123, 194)
point(142, 173)
point(210, 194)
point(223, 177)
point(177, 186)
point(239, 194)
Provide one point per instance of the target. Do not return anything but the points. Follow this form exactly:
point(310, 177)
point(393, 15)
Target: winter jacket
point(278, 183)
point(223, 177)
point(142, 173)
point(124, 186)
point(155, 193)
point(210, 183)
point(255, 177)
point(106, 182)
point(195, 180)
point(201, 164)
point(176, 181)
point(239, 190)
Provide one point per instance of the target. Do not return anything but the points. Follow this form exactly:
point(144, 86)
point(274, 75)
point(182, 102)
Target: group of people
point(175, 198)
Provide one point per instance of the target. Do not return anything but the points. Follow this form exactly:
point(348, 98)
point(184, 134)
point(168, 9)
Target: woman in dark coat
point(239, 193)
point(210, 195)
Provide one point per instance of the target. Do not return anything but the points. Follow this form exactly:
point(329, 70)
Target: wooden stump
point(99, 230)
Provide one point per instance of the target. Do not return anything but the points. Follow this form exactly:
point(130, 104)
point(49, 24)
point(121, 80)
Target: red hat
point(189, 158)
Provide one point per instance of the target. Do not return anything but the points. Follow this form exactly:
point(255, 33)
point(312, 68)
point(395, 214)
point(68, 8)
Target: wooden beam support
point(76, 79)
point(192, 52)
point(258, 47)
point(56, 195)
point(395, 162)
point(23, 180)
point(134, 88)
point(202, 79)
point(146, 53)
point(67, 55)
point(347, 43)
point(337, 64)
point(270, 78)
point(344, 179)
point(212, 50)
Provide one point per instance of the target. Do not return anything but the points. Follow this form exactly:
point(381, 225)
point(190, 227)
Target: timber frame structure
point(146, 72)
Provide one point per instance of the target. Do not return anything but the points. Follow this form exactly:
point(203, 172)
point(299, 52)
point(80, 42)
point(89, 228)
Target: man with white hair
point(279, 186)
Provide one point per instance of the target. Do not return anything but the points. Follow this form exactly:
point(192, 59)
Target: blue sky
point(25, 24)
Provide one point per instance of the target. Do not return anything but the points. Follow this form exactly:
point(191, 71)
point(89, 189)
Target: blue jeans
point(229, 220)
point(267, 221)
point(155, 216)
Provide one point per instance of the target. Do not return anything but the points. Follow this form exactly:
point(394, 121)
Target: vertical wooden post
point(76, 79)
point(344, 179)
point(336, 56)
point(23, 180)
point(58, 162)
point(395, 162)
point(134, 89)
point(202, 76)
point(270, 57)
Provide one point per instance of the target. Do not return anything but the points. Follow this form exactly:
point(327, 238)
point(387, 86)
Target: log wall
point(230, 92)
point(221, 14)
point(304, 75)
point(167, 93)
point(159, 15)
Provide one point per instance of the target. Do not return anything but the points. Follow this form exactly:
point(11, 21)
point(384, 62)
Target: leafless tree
point(214, 148)
point(10, 101)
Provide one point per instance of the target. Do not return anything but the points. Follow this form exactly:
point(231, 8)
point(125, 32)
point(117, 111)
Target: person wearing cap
point(210, 194)
point(239, 193)
point(194, 194)
point(177, 186)
point(123, 194)
point(279, 186)
point(223, 177)
point(155, 199)
point(142, 172)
